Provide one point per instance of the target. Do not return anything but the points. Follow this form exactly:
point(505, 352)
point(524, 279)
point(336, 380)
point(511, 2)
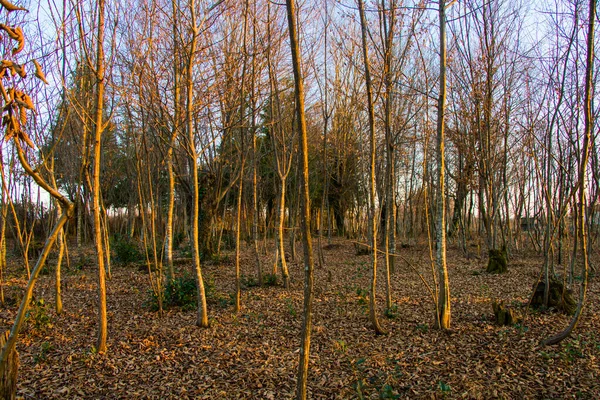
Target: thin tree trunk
point(202, 319)
point(238, 219)
point(373, 214)
point(98, 129)
point(443, 309)
point(301, 390)
point(280, 235)
point(169, 158)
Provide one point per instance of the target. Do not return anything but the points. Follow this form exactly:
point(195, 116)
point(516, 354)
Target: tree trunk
point(169, 158)
point(98, 129)
point(280, 235)
point(8, 379)
point(301, 390)
point(202, 319)
point(443, 307)
point(373, 145)
point(238, 219)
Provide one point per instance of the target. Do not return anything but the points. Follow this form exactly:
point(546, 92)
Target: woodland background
point(203, 185)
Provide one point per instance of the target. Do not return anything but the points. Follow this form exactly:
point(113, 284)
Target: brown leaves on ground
point(254, 354)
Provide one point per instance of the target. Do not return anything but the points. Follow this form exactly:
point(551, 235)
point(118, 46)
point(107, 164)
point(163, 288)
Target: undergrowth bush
point(181, 292)
point(37, 315)
point(270, 280)
point(126, 250)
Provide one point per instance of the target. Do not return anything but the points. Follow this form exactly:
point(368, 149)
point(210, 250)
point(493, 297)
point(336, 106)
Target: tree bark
point(301, 389)
point(443, 307)
point(372, 184)
point(202, 319)
point(98, 129)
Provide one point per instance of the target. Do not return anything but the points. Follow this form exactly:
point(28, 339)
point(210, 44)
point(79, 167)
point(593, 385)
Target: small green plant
point(484, 290)
point(38, 316)
point(548, 355)
point(391, 312)
point(270, 280)
point(126, 250)
point(83, 261)
point(387, 392)
point(521, 328)
point(181, 292)
point(340, 346)
point(42, 356)
point(248, 281)
point(444, 387)
point(289, 304)
point(362, 296)
point(224, 301)
point(572, 351)
point(424, 328)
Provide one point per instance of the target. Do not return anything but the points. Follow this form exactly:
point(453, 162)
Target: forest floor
point(254, 354)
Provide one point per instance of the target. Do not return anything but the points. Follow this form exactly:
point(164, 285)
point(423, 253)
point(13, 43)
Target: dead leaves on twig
point(16, 102)
point(15, 34)
point(15, 116)
point(39, 73)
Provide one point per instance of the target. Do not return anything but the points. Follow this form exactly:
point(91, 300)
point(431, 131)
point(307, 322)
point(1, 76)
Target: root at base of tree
point(559, 298)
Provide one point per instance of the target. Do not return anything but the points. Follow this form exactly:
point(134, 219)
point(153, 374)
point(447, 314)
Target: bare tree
point(305, 214)
point(443, 302)
point(581, 200)
point(372, 193)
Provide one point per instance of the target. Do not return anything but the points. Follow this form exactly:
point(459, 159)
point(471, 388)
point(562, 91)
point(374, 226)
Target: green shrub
point(126, 250)
point(37, 315)
point(181, 292)
point(248, 281)
point(42, 356)
point(270, 280)
point(391, 312)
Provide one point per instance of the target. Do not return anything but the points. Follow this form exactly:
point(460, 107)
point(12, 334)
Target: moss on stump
point(497, 263)
point(559, 297)
point(504, 315)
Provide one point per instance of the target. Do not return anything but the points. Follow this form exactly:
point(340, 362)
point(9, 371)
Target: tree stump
point(559, 298)
point(504, 315)
point(8, 379)
point(497, 263)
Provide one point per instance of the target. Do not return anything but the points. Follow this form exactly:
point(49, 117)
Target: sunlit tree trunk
point(202, 319)
point(390, 201)
point(443, 306)
point(301, 389)
point(372, 185)
point(170, 149)
point(255, 213)
point(98, 129)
